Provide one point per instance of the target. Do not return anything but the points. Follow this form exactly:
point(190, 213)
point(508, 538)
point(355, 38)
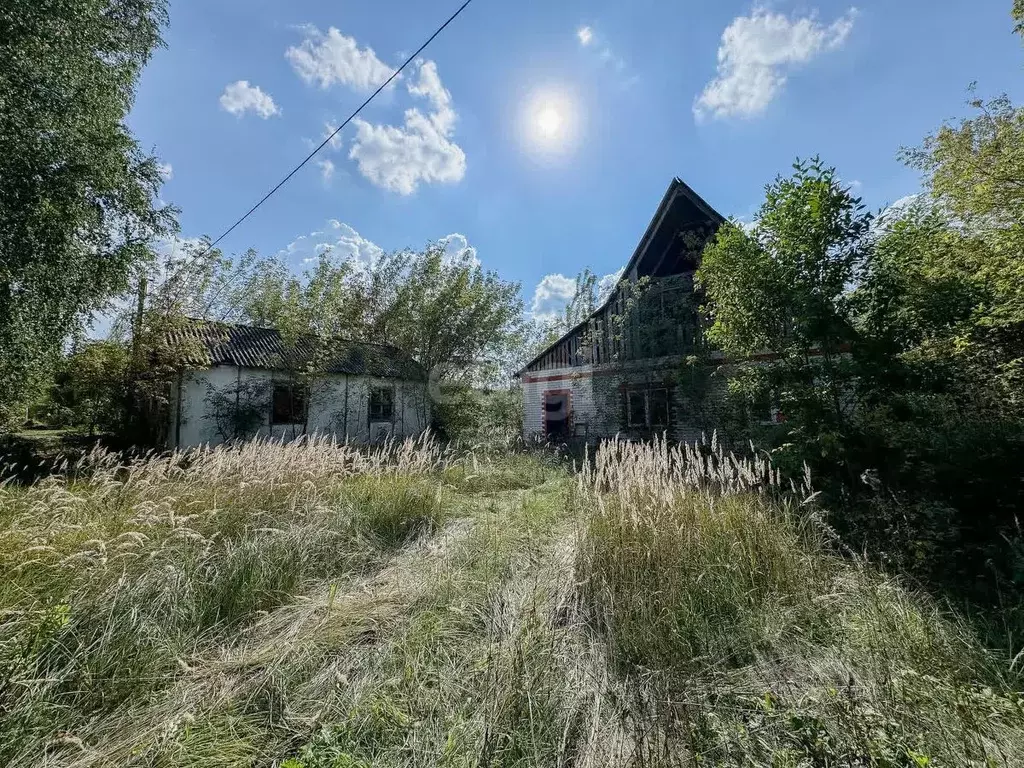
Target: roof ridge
point(278, 330)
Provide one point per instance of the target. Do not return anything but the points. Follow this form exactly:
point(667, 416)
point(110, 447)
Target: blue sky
point(544, 134)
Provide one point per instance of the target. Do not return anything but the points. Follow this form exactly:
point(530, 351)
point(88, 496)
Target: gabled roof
point(245, 346)
point(678, 188)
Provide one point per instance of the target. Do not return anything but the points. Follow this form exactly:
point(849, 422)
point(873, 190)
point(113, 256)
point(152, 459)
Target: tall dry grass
point(716, 581)
point(311, 605)
point(115, 577)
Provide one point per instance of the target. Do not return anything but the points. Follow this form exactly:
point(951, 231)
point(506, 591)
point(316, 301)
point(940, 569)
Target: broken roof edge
point(676, 187)
point(203, 328)
point(250, 326)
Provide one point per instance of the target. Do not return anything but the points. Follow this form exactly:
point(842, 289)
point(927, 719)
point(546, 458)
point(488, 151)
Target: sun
point(550, 121)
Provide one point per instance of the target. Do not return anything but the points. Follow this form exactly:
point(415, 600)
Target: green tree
point(77, 193)
point(168, 292)
point(941, 353)
point(974, 172)
point(783, 288)
point(461, 323)
point(90, 385)
point(311, 312)
point(584, 299)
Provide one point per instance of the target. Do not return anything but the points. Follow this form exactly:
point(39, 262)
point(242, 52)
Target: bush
point(471, 415)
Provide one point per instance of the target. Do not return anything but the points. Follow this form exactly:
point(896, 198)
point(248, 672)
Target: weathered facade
point(242, 383)
point(621, 371)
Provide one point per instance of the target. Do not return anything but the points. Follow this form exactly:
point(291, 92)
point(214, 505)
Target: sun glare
point(550, 122)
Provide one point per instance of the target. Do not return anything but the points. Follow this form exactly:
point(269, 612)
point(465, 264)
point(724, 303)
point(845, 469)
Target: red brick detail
point(616, 371)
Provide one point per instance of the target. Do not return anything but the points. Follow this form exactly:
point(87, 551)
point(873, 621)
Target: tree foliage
point(77, 192)
point(89, 386)
point(897, 349)
point(974, 172)
point(782, 288)
point(459, 322)
point(463, 325)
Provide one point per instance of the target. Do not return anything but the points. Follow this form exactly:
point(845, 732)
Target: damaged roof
point(208, 343)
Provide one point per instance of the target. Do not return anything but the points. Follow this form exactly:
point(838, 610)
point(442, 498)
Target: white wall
point(327, 411)
point(587, 418)
point(597, 399)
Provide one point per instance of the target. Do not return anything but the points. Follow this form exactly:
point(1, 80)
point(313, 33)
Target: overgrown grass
point(117, 578)
point(314, 606)
point(721, 585)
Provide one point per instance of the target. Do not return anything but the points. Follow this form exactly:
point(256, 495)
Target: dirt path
point(309, 662)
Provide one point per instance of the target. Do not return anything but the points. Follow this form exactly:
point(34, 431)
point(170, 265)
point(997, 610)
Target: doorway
point(557, 414)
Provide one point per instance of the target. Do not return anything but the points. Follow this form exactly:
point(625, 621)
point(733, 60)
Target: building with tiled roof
point(241, 382)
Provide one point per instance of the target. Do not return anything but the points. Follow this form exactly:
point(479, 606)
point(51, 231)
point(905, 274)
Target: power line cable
point(338, 130)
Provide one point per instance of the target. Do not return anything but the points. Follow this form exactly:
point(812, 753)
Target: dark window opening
point(382, 404)
point(557, 415)
point(658, 399)
point(289, 405)
point(637, 406)
point(648, 409)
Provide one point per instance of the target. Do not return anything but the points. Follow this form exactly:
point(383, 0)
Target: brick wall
point(598, 398)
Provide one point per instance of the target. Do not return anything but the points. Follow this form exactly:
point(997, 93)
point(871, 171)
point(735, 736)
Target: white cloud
point(239, 98)
point(908, 204)
point(457, 249)
point(421, 150)
point(612, 59)
point(606, 55)
point(755, 55)
point(429, 87)
point(607, 284)
point(343, 243)
point(331, 57)
point(747, 225)
point(166, 171)
point(340, 240)
point(326, 170)
point(554, 292)
point(334, 140)
point(905, 202)
point(551, 295)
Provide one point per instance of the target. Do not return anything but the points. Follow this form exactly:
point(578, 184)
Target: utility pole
point(140, 309)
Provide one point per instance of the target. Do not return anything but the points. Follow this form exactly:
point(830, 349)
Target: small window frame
point(384, 407)
point(288, 405)
point(631, 420)
point(637, 397)
point(663, 392)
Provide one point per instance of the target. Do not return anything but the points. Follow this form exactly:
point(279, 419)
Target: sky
point(539, 137)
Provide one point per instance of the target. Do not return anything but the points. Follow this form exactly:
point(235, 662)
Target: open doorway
point(557, 414)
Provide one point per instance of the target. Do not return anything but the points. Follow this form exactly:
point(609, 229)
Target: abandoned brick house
point(618, 371)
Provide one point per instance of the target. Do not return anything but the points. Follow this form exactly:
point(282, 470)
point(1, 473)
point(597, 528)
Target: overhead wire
point(338, 130)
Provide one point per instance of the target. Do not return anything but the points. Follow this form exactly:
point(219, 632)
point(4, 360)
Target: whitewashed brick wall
point(331, 410)
point(597, 398)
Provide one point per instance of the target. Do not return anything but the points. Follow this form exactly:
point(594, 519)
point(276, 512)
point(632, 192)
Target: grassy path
point(370, 668)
